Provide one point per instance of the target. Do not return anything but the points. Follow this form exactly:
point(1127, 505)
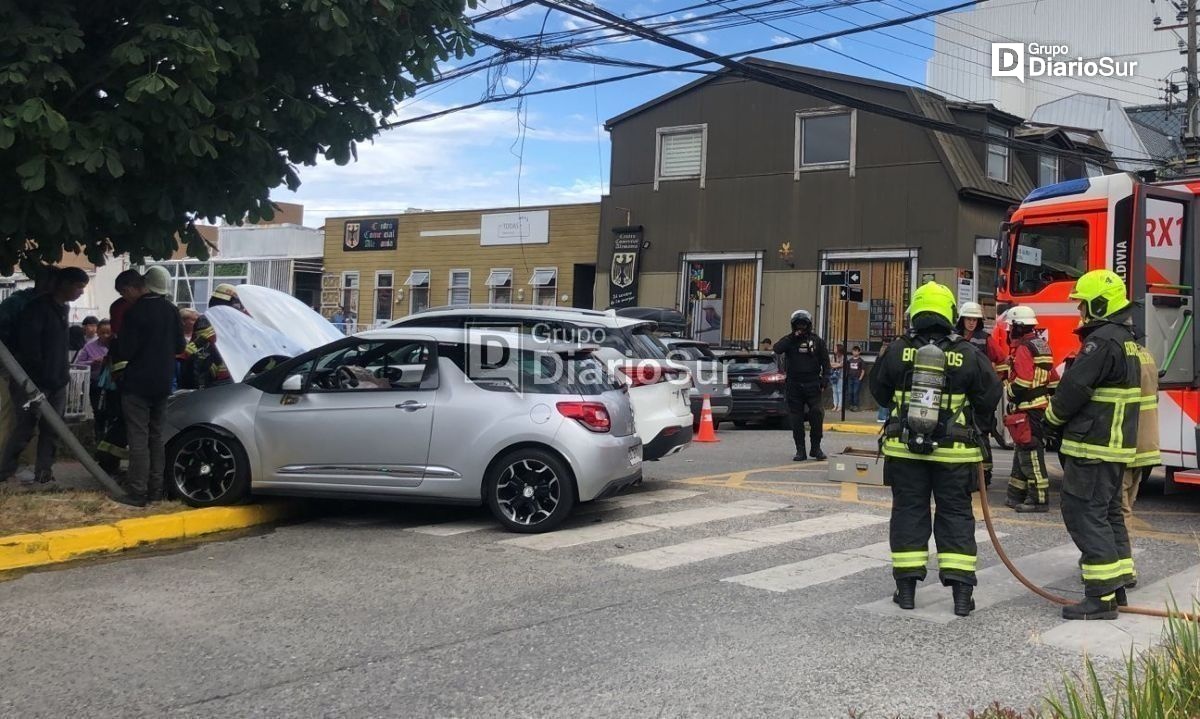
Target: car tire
point(207, 469)
point(529, 491)
point(716, 424)
point(739, 423)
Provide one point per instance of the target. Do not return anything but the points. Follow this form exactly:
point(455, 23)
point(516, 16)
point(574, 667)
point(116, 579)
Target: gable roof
point(1158, 127)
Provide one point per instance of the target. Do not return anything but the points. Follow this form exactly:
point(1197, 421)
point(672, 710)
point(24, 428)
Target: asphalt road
point(731, 583)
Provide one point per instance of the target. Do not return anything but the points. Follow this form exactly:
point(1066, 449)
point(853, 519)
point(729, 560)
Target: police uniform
point(1096, 409)
point(1032, 379)
point(970, 390)
point(806, 362)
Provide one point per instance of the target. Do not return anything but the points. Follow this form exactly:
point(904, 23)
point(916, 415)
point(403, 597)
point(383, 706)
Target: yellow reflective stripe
point(118, 366)
point(1132, 349)
point(1082, 450)
point(1101, 572)
point(1150, 402)
point(206, 333)
point(114, 450)
point(1017, 483)
point(929, 367)
point(1127, 565)
point(963, 562)
point(893, 447)
point(908, 560)
point(1116, 394)
point(1051, 417)
point(1151, 458)
point(1022, 382)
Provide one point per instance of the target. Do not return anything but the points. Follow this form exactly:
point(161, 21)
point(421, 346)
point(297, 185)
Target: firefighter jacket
point(209, 368)
point(806, 360)
point(990, 347)
point(1147, 429)
point(970, 394)
point(1032, 377)
point(1099, 398)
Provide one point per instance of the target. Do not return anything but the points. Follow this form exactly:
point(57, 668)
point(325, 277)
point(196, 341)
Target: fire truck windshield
point(1045, 254)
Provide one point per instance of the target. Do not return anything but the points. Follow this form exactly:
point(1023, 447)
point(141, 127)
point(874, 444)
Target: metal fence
point(79, 402)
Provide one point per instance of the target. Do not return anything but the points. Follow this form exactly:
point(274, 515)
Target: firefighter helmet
point(971, 309)
point(933, 297)
point(1022, 315)
point(1102, 292)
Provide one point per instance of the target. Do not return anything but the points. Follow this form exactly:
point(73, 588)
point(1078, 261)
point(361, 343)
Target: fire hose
point(987, 520)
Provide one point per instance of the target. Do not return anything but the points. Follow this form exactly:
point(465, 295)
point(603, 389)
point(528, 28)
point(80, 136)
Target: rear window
point(534, 372)
point(689, 353)
point(646, 345)
point(750, 364)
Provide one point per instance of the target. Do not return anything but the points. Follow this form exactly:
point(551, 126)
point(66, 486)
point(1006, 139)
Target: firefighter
point(806, 361)
point(209, 368)
point(939, 389)
point(1031, 380)
point(970, 326)
point(1147, 456)
point(1095, 408)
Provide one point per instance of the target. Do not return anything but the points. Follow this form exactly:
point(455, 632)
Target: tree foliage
point(123, 122)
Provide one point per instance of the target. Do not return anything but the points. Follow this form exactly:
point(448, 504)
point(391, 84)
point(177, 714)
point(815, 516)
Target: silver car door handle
point(411, 406)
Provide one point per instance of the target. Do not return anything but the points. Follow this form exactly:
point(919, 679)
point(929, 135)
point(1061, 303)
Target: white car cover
point(243, 341)
point(280, 311)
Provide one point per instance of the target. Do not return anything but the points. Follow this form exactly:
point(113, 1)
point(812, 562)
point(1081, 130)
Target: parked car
point(666, 321)
point(757, 385)
point(708, 377)
point(659, 392)
point(400, 414)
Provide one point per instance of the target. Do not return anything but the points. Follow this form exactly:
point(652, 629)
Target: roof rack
point(523, 307)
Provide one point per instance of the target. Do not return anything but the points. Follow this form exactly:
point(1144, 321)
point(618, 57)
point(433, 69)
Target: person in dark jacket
point(144, 365)
point(41, 348)
point(806, 361)
point(1095, 410)
point(208, 368)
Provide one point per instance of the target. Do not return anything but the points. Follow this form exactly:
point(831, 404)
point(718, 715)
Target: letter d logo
point(1008, 60)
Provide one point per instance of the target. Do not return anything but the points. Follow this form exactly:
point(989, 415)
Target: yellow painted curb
point(20, 551)
point(852, 428)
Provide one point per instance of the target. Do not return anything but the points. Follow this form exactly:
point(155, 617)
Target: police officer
point(1032, 379)
point(938, 388)
point(806, 361)
point(1096, 409)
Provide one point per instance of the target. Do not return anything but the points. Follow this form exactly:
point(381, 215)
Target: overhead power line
point(588, 11)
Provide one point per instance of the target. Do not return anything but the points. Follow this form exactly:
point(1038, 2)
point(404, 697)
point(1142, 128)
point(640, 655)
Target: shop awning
point(417, 278)
point(543, 278)
point(499, 278)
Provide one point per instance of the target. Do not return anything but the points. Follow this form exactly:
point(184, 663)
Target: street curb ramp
point(22, 551)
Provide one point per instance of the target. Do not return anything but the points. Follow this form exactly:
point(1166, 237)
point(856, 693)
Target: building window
point(997, 154)
point(499, 284)
point(1048, 170)
point(192, 283)
point(418, 290)
point(545, 286)
point(825, 139)
point(1093, 170)
point(350, 297)
point(385, 295)
point(680, 153)
point(460, 287)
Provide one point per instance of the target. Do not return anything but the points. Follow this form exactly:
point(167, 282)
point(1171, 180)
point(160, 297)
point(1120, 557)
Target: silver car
point(708, 377)
point(424, 414)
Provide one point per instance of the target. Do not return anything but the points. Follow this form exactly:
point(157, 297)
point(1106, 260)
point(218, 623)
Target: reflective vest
point(1147, 454)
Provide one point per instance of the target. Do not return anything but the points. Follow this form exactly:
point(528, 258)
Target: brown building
point(383, 267)
point(730, 196)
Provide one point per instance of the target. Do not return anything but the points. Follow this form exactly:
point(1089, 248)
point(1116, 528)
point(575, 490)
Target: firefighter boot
point(1092, 608)
point(816, 453)
point(1030, 505)
point(1121, 598)
point(1016, 493)
point(963, 603)
point(906, 593)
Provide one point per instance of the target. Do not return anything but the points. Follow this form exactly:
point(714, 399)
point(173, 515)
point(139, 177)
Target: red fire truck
point(1145, 232)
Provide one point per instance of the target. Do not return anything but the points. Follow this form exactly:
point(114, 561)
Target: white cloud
point(780, 39)
point(698, 38)
point(463, 160)
point(512, 84)
point(689, 15)
point(832, 42)
point(574, 24)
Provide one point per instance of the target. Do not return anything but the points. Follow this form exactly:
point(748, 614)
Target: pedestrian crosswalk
point(860, 561)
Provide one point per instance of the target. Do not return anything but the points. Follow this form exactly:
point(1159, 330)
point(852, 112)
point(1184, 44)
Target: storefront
point(887, 278)
point(381, 268)
point(720, 295)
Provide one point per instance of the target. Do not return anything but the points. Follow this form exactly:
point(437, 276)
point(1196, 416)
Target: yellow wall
point(573, 233)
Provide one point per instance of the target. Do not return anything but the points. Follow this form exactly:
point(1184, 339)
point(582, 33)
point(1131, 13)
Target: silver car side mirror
point(294, 383)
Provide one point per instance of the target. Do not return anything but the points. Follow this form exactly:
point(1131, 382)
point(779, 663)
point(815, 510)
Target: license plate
point(742, 385)
point(635, 456)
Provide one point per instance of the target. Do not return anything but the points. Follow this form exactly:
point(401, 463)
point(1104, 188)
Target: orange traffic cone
point(707, 434)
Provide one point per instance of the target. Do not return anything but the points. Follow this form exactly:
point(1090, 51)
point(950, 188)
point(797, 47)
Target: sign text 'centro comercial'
point(1023, 60)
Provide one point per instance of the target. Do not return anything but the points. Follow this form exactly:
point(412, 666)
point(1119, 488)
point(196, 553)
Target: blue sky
point(476, 158)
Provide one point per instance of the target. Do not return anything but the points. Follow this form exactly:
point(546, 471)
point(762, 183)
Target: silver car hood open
point(243, 341)
point(295, 320)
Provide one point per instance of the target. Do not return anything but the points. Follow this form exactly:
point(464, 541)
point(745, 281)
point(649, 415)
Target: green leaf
point(65, 180)
point(33, 174)
point(7, 137)
point(339, 16)
point(32, 110)
point(113, 162)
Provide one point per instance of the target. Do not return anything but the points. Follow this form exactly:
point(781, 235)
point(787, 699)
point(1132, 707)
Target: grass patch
point(1162, 683)
point(23, 511)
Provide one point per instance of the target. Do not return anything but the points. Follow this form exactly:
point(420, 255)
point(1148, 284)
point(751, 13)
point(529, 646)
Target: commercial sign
point(623, 273)
point(378, 234)
point(515, 228)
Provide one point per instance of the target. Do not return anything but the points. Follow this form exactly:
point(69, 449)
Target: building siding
point(572, 234)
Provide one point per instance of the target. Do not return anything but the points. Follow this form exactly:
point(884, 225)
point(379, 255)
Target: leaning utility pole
point(1191, 136)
